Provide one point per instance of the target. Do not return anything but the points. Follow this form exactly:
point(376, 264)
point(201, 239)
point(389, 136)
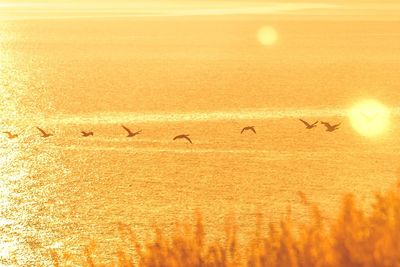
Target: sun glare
point(267, 35)
point(370, 117)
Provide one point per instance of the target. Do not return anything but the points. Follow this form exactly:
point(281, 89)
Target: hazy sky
point(382, 9)
point(199, 1)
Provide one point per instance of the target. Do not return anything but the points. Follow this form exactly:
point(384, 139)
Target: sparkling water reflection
point(59, 193)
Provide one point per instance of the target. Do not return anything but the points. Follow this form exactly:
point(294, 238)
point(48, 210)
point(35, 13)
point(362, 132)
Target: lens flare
point(267, 35)
point(370, 117)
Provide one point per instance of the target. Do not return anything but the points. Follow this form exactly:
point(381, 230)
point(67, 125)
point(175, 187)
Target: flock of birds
point(44, 134)
point(329, 127)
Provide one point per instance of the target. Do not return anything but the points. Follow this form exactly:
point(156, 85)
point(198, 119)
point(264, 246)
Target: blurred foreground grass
point(353, 238)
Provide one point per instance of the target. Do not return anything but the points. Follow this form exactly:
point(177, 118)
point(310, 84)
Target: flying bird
point(369, 117)
point(44, 134)
point(11, 135)
point(329, 127)
point(251, 128)
point(183, 136)
point(130, 133)
point(309, 126)
point(86, 134)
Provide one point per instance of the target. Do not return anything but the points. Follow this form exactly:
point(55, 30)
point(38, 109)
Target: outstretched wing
point(314, 123)
point(243, 130)
point(187, 138)
point(254, 130)
point(138, 132)
point(305, 123)
point(42, 131)
point(126, 129)
point(336, 125)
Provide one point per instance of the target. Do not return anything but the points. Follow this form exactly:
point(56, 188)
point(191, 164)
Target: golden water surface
point(203, 76)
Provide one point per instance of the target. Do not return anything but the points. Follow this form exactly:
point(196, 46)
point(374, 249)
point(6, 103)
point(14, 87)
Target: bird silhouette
point(251, 128)
point(44, 134)
point(309, 126)
point(11, 135)
point(369, 117)
point(183, 136)
point(130, 133)
point(329, 127)
point(86, 134)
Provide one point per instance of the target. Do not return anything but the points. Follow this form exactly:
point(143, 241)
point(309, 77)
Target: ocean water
point(203, 76)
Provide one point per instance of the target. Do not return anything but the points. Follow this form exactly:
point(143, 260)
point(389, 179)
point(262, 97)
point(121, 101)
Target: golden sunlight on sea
point(370, 117)
point(118, 120)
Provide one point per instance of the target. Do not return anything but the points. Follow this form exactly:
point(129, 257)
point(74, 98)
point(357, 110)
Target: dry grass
point(353, 238)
